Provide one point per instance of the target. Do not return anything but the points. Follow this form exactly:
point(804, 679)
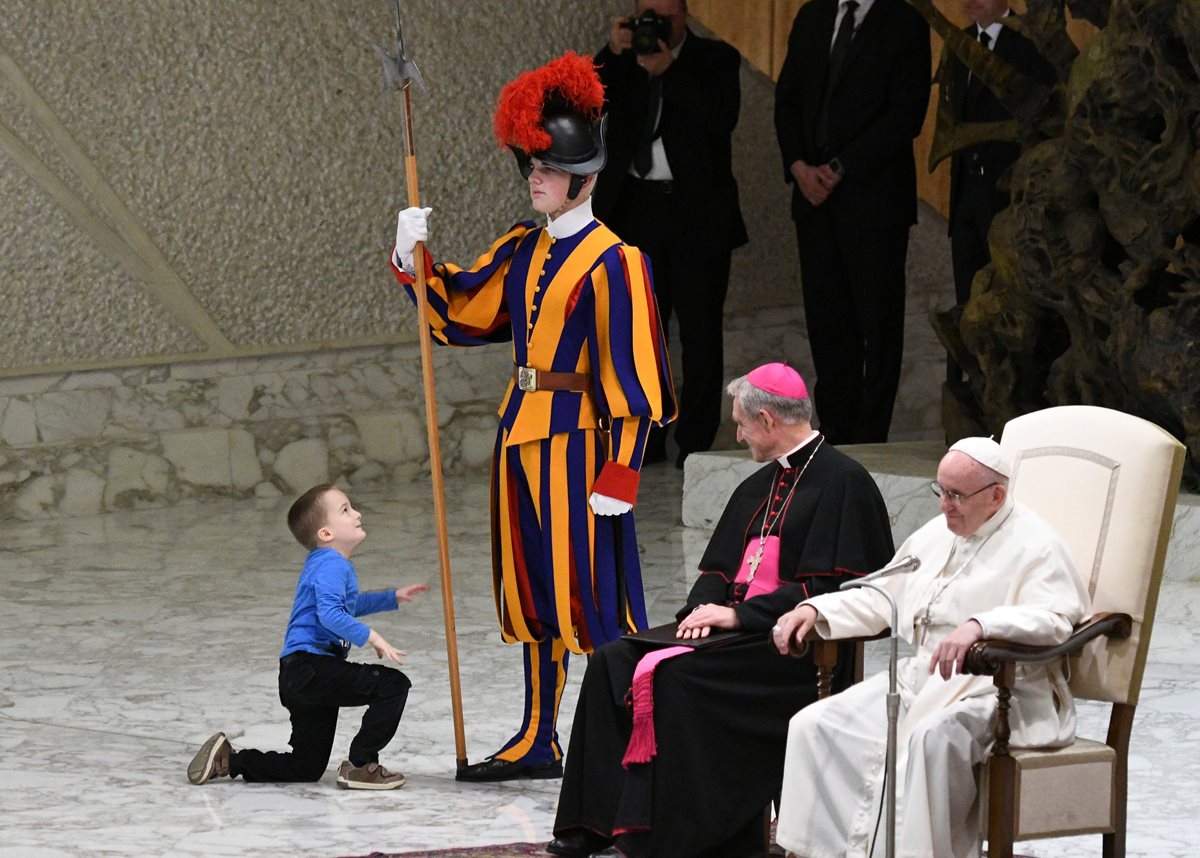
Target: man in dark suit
point(851, 97)
point(668, 188)
point(974, 197)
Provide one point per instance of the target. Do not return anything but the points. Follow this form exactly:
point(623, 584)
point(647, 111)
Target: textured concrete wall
point(218, 176)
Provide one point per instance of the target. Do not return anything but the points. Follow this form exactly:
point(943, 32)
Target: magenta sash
point(766, 578)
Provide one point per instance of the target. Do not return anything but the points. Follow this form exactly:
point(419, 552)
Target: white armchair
point(1107, 482)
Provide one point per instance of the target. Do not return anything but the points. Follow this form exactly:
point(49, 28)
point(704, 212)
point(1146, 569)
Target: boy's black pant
point(312, 688)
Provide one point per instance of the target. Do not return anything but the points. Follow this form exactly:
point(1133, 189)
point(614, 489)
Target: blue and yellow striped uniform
point(565, 579)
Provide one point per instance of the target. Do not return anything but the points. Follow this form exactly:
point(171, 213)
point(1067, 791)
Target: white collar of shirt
point(993, 31)
point(675, 50)
point(569, 223)
point(786, 457)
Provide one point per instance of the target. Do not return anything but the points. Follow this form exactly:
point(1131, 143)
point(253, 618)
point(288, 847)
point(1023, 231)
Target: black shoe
point(493, 769)
point(577, 843)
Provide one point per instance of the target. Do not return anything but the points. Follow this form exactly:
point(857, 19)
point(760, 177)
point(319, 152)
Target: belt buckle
point(527, 378)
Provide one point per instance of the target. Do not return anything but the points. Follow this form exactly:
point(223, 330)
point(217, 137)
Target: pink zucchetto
point(986, 452)
point(779, 379)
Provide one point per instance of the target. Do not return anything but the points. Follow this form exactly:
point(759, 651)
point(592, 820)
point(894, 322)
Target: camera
point(648, 28)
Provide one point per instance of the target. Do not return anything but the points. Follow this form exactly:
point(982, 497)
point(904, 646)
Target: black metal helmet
point(553, 114)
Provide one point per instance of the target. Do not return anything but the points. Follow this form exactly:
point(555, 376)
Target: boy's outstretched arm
point(383, 649)
point(405, 594)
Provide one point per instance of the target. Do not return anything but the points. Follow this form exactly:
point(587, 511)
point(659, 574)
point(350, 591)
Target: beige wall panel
point(783, 13)
point(746, 26)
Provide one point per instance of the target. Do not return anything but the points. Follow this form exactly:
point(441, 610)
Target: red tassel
point(642, 745)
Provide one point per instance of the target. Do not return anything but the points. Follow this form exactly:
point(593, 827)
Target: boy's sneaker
point(211, 761)
point(370, 776)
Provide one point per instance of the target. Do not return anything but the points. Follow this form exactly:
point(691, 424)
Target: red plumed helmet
point(553, 114)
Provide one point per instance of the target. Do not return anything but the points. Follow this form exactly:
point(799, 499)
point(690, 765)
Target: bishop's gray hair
point(754, 399)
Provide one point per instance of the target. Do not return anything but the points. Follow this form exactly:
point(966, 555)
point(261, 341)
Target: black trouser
point(312, 688)
point(691, 277)
point(969, 251)
point(853, 284)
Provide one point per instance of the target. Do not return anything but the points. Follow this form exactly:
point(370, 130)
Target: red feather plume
point(518, 119)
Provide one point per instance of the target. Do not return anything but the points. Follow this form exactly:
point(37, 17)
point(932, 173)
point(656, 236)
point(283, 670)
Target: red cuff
point(618, 482)
point(403, 276)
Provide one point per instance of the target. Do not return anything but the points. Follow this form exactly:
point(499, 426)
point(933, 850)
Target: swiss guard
point(589, 377)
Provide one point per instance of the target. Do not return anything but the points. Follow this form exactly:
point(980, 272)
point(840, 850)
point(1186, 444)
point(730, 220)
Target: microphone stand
point(907, 564)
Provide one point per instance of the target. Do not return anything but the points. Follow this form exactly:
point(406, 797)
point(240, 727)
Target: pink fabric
point(779, 379)
point(642, 746)
point(766, 579)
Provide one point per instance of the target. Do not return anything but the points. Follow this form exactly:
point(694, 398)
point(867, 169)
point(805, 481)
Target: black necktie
point(973, 82)
point(837, 59)
point(641, 158)
point(841, 46)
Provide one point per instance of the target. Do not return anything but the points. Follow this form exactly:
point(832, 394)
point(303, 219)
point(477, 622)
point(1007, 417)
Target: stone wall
point(90, 442)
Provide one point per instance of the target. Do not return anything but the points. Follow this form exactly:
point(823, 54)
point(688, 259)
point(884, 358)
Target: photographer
point(672, 100)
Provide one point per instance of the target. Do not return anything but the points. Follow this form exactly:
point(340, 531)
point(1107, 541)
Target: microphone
point(907, 563)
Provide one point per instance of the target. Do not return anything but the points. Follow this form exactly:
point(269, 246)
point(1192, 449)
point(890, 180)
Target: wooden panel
point(745, 25)
point(783, 13)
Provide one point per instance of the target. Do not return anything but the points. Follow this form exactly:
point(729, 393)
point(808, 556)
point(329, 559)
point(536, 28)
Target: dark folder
point(664, 635)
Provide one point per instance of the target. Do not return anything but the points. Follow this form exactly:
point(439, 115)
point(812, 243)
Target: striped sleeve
point(467, 306)
point(629, 350)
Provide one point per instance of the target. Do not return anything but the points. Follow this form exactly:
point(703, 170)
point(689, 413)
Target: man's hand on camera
point(621, 37)
point(657, 64)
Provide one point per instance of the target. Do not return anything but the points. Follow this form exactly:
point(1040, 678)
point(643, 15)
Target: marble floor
point(126, 639)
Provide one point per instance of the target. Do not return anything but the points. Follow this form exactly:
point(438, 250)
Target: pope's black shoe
point(577, 843)
point(493, 769)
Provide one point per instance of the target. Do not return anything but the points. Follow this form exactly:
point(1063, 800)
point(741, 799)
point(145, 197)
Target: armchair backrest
point(1107, 482)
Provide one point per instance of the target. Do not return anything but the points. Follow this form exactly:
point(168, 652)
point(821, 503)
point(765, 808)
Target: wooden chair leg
point(1002, 775)
point(1120, 726)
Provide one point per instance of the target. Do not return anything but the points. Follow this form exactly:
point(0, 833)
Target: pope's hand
point(793, 627)
point(412, 225)
point(951, 654)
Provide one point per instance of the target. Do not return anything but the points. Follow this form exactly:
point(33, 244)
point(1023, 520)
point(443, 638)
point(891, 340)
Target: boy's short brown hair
point(306, 516)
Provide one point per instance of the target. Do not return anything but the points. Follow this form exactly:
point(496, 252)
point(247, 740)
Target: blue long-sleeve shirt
point(326, 604)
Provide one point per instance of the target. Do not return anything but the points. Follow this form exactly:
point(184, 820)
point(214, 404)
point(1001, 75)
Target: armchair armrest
point(825, 657)
point(987, 657)
point(999, 659)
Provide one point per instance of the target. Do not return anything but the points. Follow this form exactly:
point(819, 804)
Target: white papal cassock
point(1017, 578)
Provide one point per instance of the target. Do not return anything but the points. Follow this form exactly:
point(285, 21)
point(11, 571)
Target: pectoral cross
point(755, 560)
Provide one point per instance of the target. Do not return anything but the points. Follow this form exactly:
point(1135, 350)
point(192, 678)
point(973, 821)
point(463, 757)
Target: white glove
point(412, 225)
point(604, 505)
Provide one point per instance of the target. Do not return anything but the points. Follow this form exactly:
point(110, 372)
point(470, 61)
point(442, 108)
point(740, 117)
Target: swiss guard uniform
point(590, 375)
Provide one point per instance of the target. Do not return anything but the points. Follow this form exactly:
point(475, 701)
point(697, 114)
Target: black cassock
point(721, 713)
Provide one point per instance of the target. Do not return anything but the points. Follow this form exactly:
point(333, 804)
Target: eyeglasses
point(954, 497)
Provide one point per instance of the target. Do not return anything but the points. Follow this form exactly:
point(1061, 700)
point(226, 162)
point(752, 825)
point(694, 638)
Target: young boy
point(315, 679)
